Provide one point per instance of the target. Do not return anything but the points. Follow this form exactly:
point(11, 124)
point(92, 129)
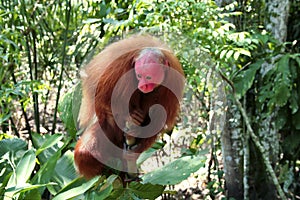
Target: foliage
point(43, 45)
point(18, 164)
point(268, 85)
point(59, 37)
point(55, 171)
point(184, 167)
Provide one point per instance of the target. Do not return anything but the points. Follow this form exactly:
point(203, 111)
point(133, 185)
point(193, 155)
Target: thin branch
point(13, 126)
point(68, 12)
point(35, 94)
point(27, 124)
point(27, 42)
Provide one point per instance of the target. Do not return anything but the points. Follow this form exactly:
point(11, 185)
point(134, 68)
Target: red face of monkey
point(149, 69)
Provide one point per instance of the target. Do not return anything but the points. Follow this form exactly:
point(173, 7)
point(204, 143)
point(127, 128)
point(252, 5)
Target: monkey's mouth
point(146, 88)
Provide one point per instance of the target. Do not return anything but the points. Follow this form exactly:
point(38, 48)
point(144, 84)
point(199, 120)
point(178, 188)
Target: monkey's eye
point(139, 76)
point(148, 77)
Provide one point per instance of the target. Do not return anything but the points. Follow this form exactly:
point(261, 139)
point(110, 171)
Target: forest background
point(239, 130)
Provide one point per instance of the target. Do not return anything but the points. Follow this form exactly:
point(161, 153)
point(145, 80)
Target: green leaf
point(236, 55)
point(26, 187)
point(222, 54)
point(286, 176)
point(11, 151)
point(145, 155)
point(65, 171)
point(244, 52)
point(149, 152)
point(100, 195)
point(91, 21)
point(33, 194)
point(46, 171)
point(281, 118)
point(76, 191)
point(134, 190)
point(52, 140)
point(296, 120)
point(21, 174)
point(175, 172)
point(102, 12)
point(244, 80)
point(5, 117)
point(105, 190)
point(69, 109)
point(12, 145)
point(146, 191)
point(282, 82)
point(280, 99)
point(296, 57)
point(229, 54)
point(294, 101)
point(39, 140)
point(121, 194)
point(23, 169)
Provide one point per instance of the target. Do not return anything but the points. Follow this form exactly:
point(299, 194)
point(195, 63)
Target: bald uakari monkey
point(121, 89)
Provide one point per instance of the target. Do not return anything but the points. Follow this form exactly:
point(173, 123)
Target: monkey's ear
point(166, 66)
point(167, 63)
point(133, 63)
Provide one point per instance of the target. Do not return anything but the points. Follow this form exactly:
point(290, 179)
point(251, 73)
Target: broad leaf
point(23, 169)
point(69, 109)
point(146, 191)
point(244, 80)
point(46, 171)
point(296, 120)
point(21, 174)
point(175, 172)
point(76, 191)
point(39, 141)
point(149, 152)
point(105, 190)
point(282, 87)
point(52, 140)
point(12, 145)
point(136, 190)
point(26, 187)
point(145, 155)
point(65, 169)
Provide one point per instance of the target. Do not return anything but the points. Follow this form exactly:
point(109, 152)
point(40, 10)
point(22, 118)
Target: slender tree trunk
point(232, 149)
point(258, 182)
point(263, 188)
point(232, 143)
point(228, 125)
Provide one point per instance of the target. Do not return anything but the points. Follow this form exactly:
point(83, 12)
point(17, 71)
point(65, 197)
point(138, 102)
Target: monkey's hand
point(133, 123)
point(138, 117)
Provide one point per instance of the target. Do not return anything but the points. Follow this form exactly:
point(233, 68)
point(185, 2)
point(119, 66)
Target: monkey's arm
point(137, 136)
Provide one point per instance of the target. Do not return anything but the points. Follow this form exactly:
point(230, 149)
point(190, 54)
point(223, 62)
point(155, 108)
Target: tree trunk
point(262, 187)
point(234, 144)
point(232, 149)
point(278, 11)
point(228, 125)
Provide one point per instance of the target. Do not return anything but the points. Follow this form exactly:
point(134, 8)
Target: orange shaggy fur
point(98, 82)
